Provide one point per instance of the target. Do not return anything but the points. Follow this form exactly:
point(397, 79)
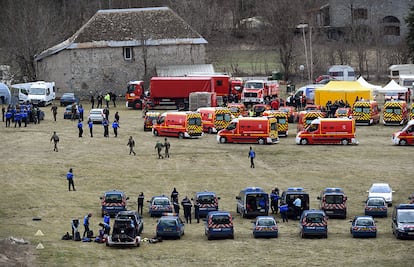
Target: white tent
point(366, 84)
point(393, 87)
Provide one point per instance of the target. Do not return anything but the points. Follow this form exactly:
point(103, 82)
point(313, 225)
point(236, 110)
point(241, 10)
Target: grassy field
point(34, 185)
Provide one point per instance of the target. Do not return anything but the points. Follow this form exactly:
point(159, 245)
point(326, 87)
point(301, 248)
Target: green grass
point(34, 185)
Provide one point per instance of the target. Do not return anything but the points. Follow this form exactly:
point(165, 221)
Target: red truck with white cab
point(135, 94)
point(259, 91)
point(405, 136)
point(328, 131)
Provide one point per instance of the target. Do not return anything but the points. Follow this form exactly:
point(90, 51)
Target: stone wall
point(104, 69)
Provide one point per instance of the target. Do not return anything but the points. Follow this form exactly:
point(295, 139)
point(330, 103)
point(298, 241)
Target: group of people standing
point(108, 97)
point(21, 114)
point(187, 206)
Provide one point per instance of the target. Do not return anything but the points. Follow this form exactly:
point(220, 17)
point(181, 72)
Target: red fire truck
point(259, 91)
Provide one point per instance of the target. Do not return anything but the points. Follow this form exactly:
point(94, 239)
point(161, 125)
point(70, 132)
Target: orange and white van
point(395, 113)
point(214, 118)
point(182, 124)
point(261, 130)
point(405, 136)
point(328, 131)
point(282, 121)
point(366, 112)
point(149, 119)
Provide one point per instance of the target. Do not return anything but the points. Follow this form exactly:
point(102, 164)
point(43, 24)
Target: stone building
point(119, 45)
point(380, 18)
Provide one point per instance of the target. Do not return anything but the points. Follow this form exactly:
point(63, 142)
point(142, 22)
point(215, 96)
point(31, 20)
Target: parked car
point(113, 201)
point(265, 226)
point(219, 224)
point(135, 216)
point(68, 99)
point(313, 223)
point(381, 190)
point(376, 206)
point(96, 115)
point(67, 114)
point(159, 205)
point(170, 225)
point(363, 226)
point(324, 79)
point(124, 233)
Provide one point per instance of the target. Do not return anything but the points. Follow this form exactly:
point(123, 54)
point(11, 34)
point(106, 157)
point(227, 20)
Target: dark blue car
point(170, 226)
point(363, 226)
point(265, 226)
point(219, 224)
point(313, 223)
point(113, 202)
point(158, 205)
point(208, 201)
point(376, 207)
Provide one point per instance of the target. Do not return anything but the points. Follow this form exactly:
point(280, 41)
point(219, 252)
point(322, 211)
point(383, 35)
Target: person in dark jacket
point(131, 144)
point(115, 126)
point(140, 202)
point(105, 124)
point(55, 139)
point(86, 224)
point(174, 195)
point(69, 177)
point(187, 205)
point(90, 125)
point(80, 128)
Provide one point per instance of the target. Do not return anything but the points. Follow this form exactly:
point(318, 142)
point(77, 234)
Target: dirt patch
point(16, 252)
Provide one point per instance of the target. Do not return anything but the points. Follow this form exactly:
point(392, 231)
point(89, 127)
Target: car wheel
point(304, 141)
point(261, 141)
point(155, 132)
point(223, 140)
point(180, 136)
point(208, 237)
point(344, 142)
point(403, 142)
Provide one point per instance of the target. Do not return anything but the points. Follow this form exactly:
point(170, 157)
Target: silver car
point(381, 190)
point(96, 115)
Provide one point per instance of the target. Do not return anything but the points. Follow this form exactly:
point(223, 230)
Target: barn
point(119, 45)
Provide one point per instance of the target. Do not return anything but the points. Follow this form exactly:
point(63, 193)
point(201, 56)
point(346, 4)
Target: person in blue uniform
point(115, 126)
point(69, 177)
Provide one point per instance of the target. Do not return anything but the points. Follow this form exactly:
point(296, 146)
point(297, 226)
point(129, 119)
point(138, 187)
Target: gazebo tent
point(393, 87)
point(364, 83)
point(347, 91)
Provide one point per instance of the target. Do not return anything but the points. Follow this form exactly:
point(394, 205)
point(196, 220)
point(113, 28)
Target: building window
point(128, 53)
point(360, 13)
point(391, 26)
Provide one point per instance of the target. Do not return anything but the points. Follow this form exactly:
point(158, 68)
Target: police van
point(403, 221)
point(219, 224)
point(333, 202)
point(207, 201)
point(289, 195)
point(252, 202)
point(313, 223)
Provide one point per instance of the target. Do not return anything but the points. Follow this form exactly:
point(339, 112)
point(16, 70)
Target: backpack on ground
point(76, 236)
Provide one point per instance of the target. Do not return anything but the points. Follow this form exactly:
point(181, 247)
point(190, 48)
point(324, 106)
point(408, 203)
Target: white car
point(381, 190)
point(96, 115)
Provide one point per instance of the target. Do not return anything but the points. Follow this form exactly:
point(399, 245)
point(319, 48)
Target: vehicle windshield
point(259, 109)
point(334, 199)
point(406, 216)
point(364, 222)
point(221, 219)
point(253, 85)
point(130, 88)
point(314, 218)
point(273, 126)
point(194, 121)
point(234, 109)
point(168, 223)
point(231, 126)
point(113, 198)
point(209, 199)
point(68, 96)
point(375, 202)
point(223, 117)
point(96, 112)
point(342, 111)
point(161, 201)
point(380, 189)
point(393, 110)
point(281, 120)
point(266, 222)
point(37, 91)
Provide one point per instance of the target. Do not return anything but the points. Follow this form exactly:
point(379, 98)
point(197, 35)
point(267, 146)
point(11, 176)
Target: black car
point(68, 99)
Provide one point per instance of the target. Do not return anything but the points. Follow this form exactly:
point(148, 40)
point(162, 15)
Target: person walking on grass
point(167, 146)
point(80, 128)
point(69, 177)
point(158, 147)
point(131, 144)
point(55, 139)
point(115, 126)
point(54, 109)
point(90, 125)
point(252, 155)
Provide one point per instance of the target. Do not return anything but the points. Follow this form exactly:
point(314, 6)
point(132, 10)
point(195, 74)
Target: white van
point(38, 93)
point(342, 72)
